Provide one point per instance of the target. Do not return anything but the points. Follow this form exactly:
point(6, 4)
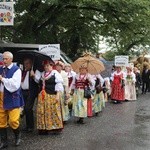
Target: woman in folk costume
point(117, 86)
point(98, 101)
point(49, 113)
point(65, 93)
point(71, 77)
point(107, 88)
point(83, 79)
point(130, 80)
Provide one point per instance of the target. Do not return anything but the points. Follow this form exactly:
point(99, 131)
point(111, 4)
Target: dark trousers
point(28, 108)
point(145, 87)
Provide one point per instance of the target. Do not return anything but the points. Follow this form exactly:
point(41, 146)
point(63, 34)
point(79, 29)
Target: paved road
point(119, 127)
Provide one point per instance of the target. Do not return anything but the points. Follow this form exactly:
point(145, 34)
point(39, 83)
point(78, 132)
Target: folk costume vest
point(15, 99)
point(49, 85)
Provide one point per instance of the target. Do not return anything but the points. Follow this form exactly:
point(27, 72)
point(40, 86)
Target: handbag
point(98, 89)
point(122, 83)
point(98, 86)
point(87, 92)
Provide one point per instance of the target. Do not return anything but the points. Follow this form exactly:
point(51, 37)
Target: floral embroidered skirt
point(79, 104)
point(65, 108)
point(98, 102)
point(49, 113)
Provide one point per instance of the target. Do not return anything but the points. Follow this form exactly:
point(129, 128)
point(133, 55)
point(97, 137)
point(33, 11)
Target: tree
point(77, 25)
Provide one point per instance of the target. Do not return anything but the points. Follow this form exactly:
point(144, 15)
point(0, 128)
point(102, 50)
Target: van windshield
point(67, 59)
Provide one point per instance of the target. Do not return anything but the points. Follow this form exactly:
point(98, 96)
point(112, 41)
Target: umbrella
point(36, 56)
point(93, 65)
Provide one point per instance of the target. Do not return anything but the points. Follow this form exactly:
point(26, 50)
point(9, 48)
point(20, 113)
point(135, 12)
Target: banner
point(121, 60)
point(52, 50)
point(6, 13)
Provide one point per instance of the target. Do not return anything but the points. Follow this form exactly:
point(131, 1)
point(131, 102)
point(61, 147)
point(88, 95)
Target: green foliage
point(77, 24)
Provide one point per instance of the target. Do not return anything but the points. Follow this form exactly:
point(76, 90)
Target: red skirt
point(89, 108)
point(117, 92)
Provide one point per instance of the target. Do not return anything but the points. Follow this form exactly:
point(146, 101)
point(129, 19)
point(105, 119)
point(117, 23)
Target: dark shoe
point(42, 132)
point(17, 136)
point(64, 122)
point(3, 145)
point(78, 121)
point(126, 100)
point(81, 121)
point(28, 130)
point(57, 131)
point(96, 114)
point(3, 134)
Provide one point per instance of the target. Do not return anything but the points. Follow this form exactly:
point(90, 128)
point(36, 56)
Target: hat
point(67, 65)
point(59, 63)
point(45, 62)
point(1, 63)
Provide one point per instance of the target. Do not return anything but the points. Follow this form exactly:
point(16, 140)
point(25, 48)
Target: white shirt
point(11, 84)
point(25, 83)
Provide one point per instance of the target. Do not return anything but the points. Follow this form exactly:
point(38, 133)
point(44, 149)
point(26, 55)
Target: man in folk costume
point(11, 99)
point(65, 93)
point(83, 79)
point(30, 92)
point(145, 79)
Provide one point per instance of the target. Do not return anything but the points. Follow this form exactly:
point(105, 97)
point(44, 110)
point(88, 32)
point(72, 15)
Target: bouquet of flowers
point(129, 78)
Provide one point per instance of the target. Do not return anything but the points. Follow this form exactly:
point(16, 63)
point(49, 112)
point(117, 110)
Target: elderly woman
point(130, 80)
point(98, 100)
point(64, 93)
point(82, 80)
point(71, 77)
point(117, 86)
point(49, 116)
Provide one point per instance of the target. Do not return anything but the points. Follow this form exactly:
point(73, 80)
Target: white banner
point(6, 13)
point(52, 50)
point(121, 60)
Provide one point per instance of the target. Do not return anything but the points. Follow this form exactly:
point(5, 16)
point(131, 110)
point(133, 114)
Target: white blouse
point(71, 74)
point(87, 76)
point(118, 73)
point(58, 79)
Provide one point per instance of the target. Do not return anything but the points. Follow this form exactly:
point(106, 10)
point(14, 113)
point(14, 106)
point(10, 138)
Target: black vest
point(49, 85)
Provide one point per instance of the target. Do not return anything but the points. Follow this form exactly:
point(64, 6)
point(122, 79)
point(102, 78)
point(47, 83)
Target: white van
point(14, 47)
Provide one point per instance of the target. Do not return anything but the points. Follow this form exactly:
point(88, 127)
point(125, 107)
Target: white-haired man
point(10, 99)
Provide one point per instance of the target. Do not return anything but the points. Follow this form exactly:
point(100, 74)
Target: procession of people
point(63, 92)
